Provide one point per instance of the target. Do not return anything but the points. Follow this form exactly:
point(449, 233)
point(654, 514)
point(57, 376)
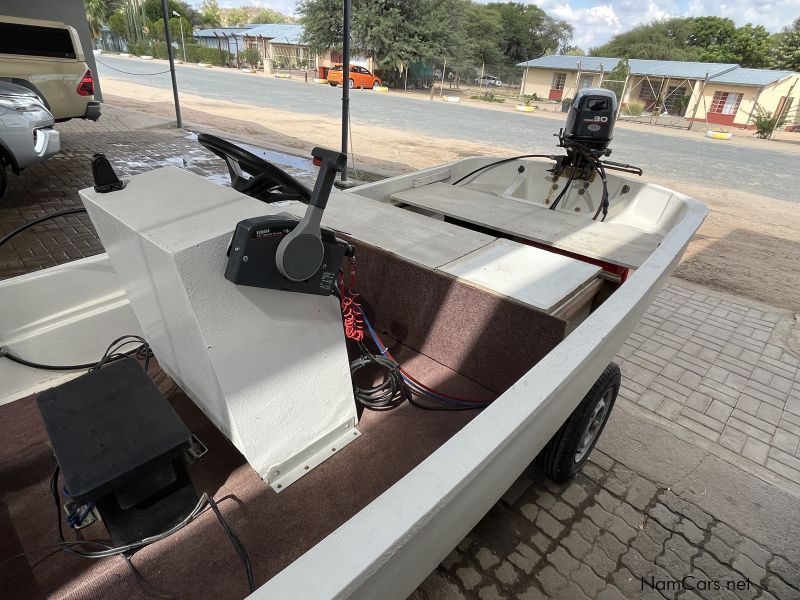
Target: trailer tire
point(570, 447)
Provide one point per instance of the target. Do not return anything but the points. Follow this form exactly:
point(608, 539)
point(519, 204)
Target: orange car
point(359, 77)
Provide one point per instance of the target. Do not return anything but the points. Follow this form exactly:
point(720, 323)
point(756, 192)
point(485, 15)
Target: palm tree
point(95, 16)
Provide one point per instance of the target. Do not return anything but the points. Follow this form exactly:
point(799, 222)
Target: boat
point(492, 297)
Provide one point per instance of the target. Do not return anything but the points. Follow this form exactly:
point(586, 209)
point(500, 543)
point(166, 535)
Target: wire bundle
point(74, 547)
point(586, 153)
point(400, 385)
point(351, 307)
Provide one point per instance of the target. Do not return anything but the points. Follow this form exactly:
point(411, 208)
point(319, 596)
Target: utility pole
point(183, 44)
point(345, 80)
point(168, 37)
point(441, 83)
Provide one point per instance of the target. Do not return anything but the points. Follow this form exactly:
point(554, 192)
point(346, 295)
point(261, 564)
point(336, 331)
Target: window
point(30, 40)
point(559, 79)
point(646, 92)
point(725, 103)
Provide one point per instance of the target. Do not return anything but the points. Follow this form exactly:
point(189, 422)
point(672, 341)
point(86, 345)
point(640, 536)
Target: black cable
point(237, 544)
point(140, 580)
point(111, 354)
point(501, 162)
point(21, 228)
point(418, 404)
point(386, 395)
point(122, 551)
point(128, 72)
point(563, 192)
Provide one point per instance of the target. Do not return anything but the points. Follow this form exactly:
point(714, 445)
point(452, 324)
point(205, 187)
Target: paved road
point(768, 172)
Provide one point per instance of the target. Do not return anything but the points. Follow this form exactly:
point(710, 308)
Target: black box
point(121, 445)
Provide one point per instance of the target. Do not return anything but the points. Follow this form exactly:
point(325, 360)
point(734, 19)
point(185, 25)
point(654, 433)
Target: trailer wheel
point(570, 447)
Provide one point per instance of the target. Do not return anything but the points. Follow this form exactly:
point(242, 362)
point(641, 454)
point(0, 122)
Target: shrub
point(137, 48)
point(635, 108)
point(488, 97)
point(530, 99)
point(250, 57)
point(766, 122)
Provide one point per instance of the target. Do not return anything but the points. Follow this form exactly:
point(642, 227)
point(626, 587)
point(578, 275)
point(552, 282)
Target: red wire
point(351, 309)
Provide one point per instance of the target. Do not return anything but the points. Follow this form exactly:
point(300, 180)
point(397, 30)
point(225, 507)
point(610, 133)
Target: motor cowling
point(591, 118)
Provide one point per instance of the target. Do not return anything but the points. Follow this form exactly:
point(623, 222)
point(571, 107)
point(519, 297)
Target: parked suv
point(27, 136)
point(359, 77)
point(46, 57)
point(488, 80)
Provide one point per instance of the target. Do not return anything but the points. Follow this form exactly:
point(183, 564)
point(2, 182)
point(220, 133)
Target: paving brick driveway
point(719, 366)
point(602, 535)
point(714, 370)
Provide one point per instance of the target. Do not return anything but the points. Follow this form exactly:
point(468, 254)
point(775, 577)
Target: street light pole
point(183, 45)
point(171, 57)
point(345, 80)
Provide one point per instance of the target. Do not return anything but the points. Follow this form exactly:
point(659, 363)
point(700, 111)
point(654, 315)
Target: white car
point(488, 80)
point(26, 130)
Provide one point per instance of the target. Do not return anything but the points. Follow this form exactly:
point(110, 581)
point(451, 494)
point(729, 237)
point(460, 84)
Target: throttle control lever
point(282, 252)
point(300, 253)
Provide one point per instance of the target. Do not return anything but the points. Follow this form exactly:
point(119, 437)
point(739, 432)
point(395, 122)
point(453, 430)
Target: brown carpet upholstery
point(199, 561)
point(487, 336)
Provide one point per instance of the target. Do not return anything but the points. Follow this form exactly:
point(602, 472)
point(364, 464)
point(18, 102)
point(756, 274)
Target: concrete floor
point(697, 473)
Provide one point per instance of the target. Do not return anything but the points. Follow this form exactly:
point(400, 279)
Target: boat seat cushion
point(615, 243)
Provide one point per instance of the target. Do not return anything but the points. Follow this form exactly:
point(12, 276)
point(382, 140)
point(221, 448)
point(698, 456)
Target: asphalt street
point(767, 172)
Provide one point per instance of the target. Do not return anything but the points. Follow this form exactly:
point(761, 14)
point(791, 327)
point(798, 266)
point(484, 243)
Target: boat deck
point(616, 243)
point(199, 561)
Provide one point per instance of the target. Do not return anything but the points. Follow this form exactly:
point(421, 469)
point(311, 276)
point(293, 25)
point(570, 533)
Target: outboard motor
point(590, 120)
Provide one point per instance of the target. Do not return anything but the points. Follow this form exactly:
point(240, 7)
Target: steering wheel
point(254, 176)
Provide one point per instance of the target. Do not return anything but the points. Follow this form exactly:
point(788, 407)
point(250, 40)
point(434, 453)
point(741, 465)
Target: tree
point(710, 39)
point(616, 78)
point(660, 40)
point(209, 14)
point(787, 48)
point(323, 24)
point(175, 26)
point(483, 28)
point(235, 16)
point(154, 10)
point(267, 15)
point(529, 32)
point(752, 46)
point(95, 16)
point(573, 51)
point(116, 23)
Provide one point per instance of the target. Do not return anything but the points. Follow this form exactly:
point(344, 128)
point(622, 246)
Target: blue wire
point(383, 350)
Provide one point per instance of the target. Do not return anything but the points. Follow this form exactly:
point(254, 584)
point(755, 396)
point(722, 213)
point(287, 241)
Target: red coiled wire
point(351, 307)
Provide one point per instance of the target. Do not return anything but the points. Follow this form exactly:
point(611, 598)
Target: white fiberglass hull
point(391, 545)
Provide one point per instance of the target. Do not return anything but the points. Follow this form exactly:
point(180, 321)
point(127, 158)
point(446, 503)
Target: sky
point(596, 22)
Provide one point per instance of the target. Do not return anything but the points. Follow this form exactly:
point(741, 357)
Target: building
point(280, 45)
point(719, 93)
point(220, 38)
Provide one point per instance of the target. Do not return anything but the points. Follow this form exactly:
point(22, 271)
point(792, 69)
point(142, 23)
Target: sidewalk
point(698, 471)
